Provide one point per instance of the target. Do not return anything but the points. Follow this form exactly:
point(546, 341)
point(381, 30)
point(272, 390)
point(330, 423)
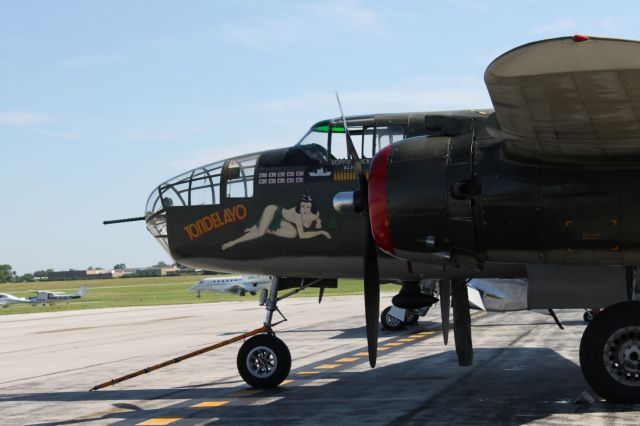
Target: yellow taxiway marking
point(406, 340)
point(160, 421)
point(347, 359)
point(208, 404)
point(382, 348)
point(425, 333)
point(245, 392)
point(361, 354)
point(393, 344)
point(416, 336)
point(328, 366)
point(306, 373)
point(286, 382)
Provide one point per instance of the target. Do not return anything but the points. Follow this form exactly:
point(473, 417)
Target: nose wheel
point(264, 361)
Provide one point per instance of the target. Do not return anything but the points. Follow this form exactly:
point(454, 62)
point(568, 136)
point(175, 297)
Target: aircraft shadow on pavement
point(505, 386)
point(357, 332)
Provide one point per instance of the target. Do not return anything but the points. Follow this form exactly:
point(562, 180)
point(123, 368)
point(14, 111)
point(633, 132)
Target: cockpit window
point(388, 135)
point(325, 142)
point(338, 146)
point(316, 144)
point(240, 173)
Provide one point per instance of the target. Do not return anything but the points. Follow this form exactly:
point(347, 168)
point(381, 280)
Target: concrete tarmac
point(525, 370)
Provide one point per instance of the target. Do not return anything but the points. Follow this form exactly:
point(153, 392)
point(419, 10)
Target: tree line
point(8, 275)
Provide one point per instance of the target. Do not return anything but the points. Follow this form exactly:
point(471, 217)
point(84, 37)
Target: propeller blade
point(371, 292)
point(357, 164)
point(462, 322)
point(371, 272)
point(445, 305)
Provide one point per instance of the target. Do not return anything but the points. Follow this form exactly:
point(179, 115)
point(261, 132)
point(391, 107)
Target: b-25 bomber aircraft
point(544, 188)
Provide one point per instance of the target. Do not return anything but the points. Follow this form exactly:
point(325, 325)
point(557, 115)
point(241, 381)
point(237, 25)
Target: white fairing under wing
point(498, 295)
point(570, 99)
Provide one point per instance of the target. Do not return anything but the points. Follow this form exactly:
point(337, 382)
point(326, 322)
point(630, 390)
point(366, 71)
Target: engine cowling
point(410, 201)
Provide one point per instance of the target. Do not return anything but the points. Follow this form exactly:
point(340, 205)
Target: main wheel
point(264, 361)
point(610, 353)
point(389, 322)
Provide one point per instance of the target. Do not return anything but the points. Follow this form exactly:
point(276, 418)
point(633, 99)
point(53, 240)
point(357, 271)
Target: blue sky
point(101, 101)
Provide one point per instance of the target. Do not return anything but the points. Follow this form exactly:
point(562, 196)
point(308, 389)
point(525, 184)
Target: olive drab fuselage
point(458, 205)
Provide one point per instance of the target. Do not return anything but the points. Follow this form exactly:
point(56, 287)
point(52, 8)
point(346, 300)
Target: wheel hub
point(622, 355)
point(393, 321)
point(262, 362)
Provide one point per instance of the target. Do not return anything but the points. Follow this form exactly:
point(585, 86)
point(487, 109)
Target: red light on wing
point(578, 38)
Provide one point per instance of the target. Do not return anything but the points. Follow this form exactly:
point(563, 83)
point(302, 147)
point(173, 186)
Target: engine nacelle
point(460, 199)
point(408, 199)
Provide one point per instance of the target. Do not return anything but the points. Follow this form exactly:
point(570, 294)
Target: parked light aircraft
point(8, 299)
point(47, 296)
point(238, 284)
point(41, 297)
point(543, 188)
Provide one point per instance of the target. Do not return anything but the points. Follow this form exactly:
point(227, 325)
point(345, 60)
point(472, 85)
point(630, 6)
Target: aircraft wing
point(570, 99)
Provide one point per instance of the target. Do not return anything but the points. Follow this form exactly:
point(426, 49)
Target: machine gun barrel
point(130, 219)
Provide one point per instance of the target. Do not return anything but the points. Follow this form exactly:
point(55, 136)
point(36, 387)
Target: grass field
point(144, 292)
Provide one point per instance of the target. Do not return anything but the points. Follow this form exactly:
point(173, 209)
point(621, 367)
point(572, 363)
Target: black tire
point(411, 318)
point(610, 353)
point(264, 361)
point(389, 322)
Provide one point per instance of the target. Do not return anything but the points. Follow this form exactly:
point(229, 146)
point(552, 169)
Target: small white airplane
point(238, 284)
point(46, 296)
point(8, 299)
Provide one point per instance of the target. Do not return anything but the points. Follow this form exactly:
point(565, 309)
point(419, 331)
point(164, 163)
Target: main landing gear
point(610, 353)
point(413, 302)
point(264, 361)
point(394, 318)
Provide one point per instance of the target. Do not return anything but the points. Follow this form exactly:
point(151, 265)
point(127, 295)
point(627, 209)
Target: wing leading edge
point(569, 100)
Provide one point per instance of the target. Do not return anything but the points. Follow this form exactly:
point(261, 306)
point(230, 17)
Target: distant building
point(122, 273)
point(97, 272)
point(72, 274)
point(157, 271)
point(91, 274)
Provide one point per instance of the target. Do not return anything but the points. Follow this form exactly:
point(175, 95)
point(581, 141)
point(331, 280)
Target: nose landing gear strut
point(264, 361)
